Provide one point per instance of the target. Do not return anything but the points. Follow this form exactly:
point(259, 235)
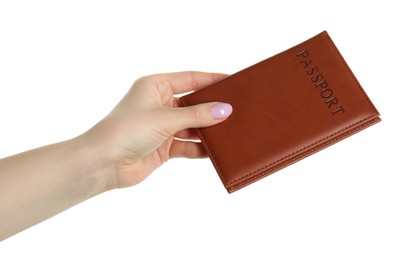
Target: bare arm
point(120, 151)
point(40, 183)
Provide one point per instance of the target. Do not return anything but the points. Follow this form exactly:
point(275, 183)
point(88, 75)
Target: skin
point(121, 150)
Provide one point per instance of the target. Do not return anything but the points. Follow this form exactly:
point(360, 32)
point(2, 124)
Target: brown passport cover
point(285, 108)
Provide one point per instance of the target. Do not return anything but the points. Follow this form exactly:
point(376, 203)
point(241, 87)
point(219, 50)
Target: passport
point(285, 108)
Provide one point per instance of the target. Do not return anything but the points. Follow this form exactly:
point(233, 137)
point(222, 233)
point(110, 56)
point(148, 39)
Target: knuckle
point(141, 80)
point(194, 83)
point(197, 114)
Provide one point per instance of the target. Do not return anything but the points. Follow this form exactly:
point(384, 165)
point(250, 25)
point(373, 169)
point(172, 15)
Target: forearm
point(40, 183)
point(120, 151)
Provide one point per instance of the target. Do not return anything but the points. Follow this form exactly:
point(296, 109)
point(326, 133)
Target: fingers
point(187, 134)
point(185, 81)
point(201, 115)
point(191, 150)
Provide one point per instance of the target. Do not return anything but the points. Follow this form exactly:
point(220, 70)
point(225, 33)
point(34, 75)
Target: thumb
point(201, 115)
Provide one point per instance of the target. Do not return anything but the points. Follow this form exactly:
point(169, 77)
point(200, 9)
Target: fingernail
point(221, 110)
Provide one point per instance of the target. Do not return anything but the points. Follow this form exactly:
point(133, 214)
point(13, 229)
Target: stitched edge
point(301, 156)
point(309, 152)
point(301, 149)
point(207, 149)
point(211, 156)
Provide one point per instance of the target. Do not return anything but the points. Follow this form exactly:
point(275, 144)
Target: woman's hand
point(120, 151)
point(140, 133)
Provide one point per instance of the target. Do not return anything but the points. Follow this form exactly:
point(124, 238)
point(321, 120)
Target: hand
point(139, 134)
point(120, 151)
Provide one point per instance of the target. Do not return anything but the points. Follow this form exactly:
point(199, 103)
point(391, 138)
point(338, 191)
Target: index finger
point(185, 81)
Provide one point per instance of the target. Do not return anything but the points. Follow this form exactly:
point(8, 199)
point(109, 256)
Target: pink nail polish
point(221, 110)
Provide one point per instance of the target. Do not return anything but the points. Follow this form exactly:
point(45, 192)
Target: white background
point(63, 66)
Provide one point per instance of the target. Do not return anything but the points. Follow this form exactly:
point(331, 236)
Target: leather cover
point(285, 108)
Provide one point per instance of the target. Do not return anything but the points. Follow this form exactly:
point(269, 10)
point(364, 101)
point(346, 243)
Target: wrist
point(96, 163)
